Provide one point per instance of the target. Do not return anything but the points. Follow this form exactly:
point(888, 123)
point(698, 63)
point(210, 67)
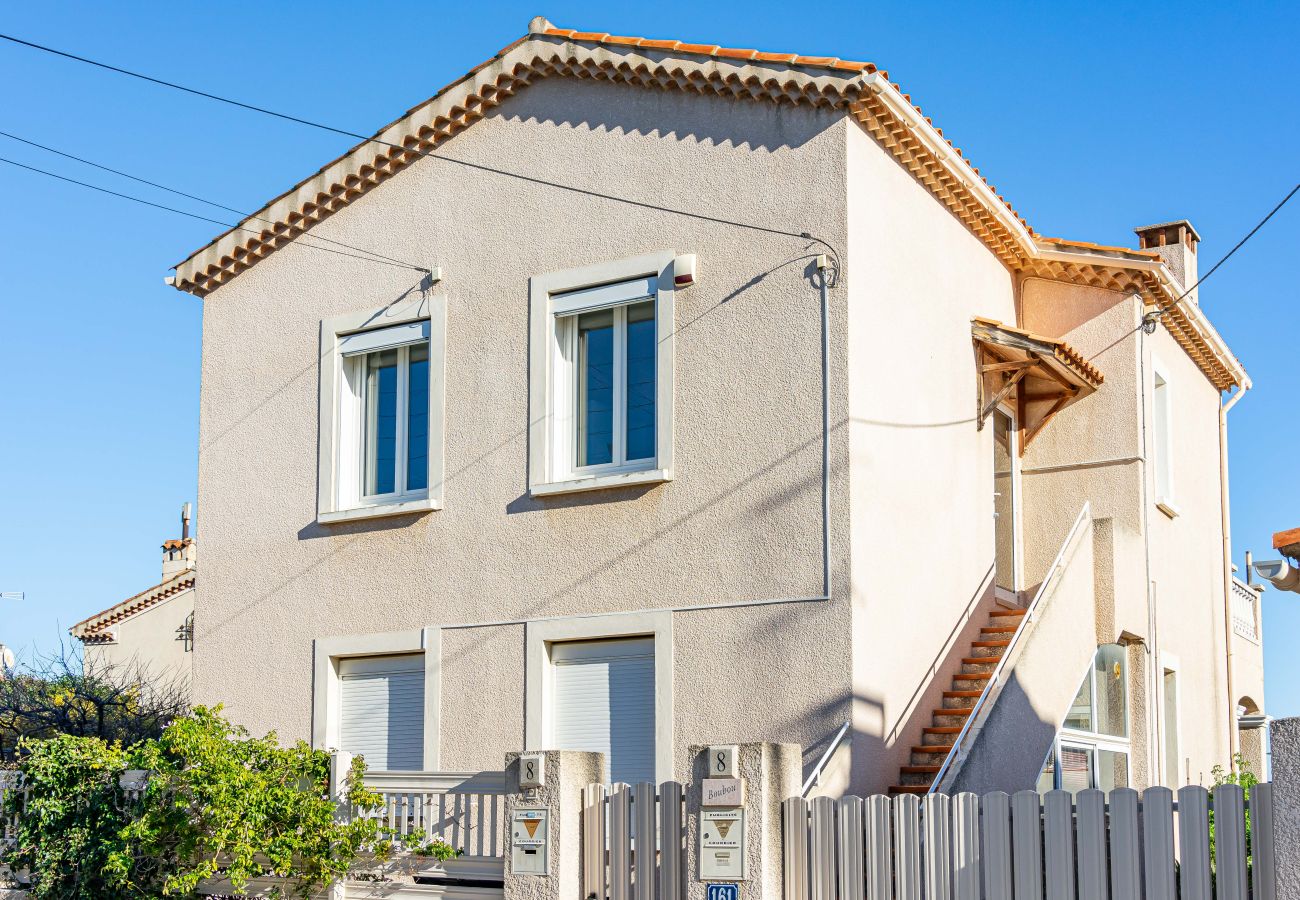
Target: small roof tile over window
point(860, 89)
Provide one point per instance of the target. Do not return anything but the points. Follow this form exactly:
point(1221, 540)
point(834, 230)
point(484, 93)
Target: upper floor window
point(601, 379)
point(381, 412)
point(1162, 445)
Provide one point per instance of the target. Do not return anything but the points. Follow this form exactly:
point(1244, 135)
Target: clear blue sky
point(1092, 119)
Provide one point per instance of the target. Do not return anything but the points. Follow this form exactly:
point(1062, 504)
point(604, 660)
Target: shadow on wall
point(631, 110)
point(1008, 753)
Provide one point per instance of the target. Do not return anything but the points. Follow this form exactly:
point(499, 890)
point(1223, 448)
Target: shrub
point(217, 803)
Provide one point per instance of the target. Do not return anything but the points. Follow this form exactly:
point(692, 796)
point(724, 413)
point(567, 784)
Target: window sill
point(378, 510)
point(1168, 508)
point(601, 482)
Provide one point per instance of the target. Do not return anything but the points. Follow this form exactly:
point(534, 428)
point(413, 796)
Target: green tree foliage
point(1243, 777)
point(217, 803)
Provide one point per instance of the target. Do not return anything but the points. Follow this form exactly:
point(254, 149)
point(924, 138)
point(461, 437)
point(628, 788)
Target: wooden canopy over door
point(1038, 375)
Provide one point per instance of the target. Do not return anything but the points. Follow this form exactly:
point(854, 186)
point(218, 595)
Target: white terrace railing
point(1245, 610)
point(465, 809)
point(1123, 845)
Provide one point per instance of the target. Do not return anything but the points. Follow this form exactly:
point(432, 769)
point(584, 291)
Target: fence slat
point(1263, 863)
point(1194, 843)
point(794, 826)
point(593, 842)
point(966, 847)
point(1058, 844)
point(1090, 838)
point(822, 862)
point(880, 849)
point(620, 843)
point(936, 815)
point(672, 821)
point(852, 873)
point(1158, 843)
point(1229, 843)
point(645, 840)
point(1027, 845)
point(1125, 863)
point(996, 826)
point(907, 846)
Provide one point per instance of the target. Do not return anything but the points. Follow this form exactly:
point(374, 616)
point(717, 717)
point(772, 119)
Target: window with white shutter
point(382, 711)
point(603, 696)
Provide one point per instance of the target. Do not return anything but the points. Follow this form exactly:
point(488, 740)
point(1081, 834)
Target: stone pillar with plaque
point(733, 819)
point(543, 812)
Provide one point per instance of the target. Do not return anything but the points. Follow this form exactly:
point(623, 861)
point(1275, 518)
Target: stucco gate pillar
point(767, 773)
point(556, 832)
point(1285, 735)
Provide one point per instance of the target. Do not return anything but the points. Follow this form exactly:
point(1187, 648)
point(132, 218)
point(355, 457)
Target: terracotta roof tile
point(97, 626)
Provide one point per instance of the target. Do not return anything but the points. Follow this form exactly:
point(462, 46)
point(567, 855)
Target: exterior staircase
point(946, 723)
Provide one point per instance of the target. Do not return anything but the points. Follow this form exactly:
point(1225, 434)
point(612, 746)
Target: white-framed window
point(1171, 752)
point(604, 683)
point(1092, 748)
point(381, 408)
point(1162, 443)
point(601, 376)
point(379, 695)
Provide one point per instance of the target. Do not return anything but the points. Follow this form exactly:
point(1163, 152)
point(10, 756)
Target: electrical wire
point(181, 212)
point(429, 153)
point(1155, 314)
point(179, 193)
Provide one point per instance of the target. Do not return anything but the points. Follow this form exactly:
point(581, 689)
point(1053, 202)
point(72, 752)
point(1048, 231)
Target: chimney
point(1176, 243)
point(179, 555)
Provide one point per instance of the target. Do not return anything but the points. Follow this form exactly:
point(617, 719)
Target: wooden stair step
point(941, 729)
point(956, 694)
point(936, 749)
point(956, 711)
point(909, 789)
point(1008, 613)
point(920, 770)
point(990, 643)
point(980, 660)
point(999, 629)
point(972, 676)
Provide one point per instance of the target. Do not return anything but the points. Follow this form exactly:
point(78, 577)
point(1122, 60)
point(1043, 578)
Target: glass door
point(1006, 503)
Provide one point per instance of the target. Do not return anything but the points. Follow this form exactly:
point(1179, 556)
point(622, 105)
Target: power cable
point(1150, 319)
point(179, 193)
point(181, 212)
point(427, 153)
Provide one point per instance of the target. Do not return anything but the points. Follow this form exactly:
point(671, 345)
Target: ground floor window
point(1092, 747)
point(381, 711)
point(603, 699)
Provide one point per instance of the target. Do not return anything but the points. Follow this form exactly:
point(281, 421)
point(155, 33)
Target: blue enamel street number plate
point(724, 892)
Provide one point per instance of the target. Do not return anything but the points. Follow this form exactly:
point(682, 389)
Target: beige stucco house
point(149, 634)
point(631, 394)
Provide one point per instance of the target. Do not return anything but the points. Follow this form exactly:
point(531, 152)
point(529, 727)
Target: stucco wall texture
point(741, 521)
point(911, 502)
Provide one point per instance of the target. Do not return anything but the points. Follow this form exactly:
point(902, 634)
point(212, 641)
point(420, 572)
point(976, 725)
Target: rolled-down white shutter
point(604, 700)
point(382, 715)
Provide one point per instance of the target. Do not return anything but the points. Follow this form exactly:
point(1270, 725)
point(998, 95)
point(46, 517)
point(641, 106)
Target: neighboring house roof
point(98, 629)
point(1288, 543)
point(859, 88)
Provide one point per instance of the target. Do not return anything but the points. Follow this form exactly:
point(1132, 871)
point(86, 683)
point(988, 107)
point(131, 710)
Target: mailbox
point(722, 844)
point(529, 838)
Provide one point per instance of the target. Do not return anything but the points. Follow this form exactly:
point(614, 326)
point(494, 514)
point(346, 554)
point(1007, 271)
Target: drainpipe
point(1234, 739)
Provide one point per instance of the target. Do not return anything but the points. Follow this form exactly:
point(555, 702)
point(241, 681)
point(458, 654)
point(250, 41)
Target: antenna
point(12, 595)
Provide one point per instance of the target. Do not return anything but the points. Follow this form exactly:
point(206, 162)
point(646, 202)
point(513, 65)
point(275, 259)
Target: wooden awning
point(1038, 375)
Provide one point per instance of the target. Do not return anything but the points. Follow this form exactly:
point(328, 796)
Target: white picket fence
point(465, 809)
point(1121, 846)
point(633, 842)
